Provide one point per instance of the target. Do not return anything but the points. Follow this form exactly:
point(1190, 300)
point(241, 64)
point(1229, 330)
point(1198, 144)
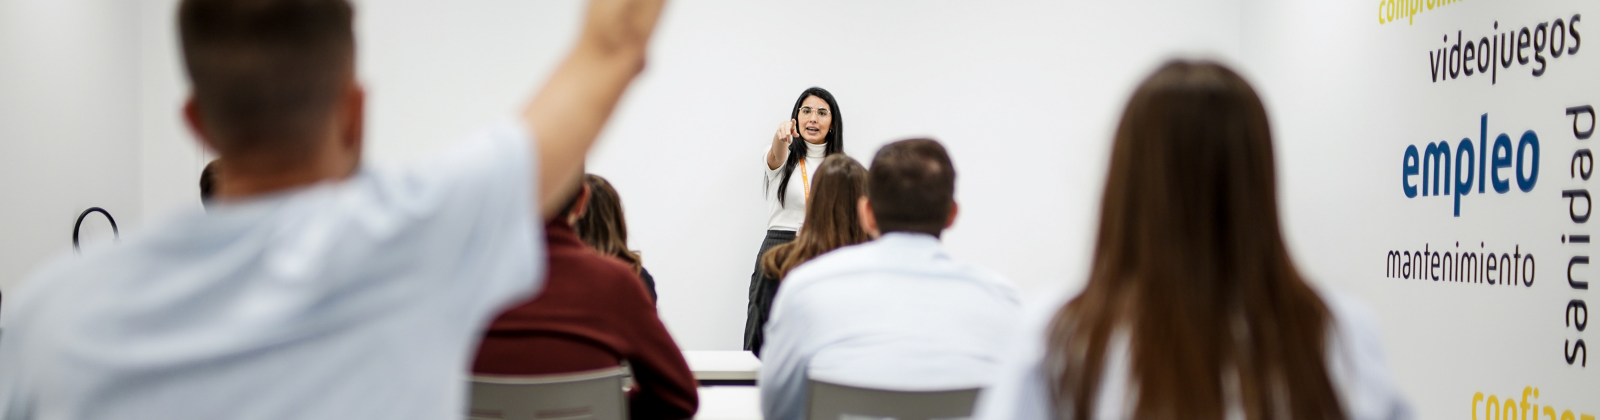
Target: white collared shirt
point(1355, 361)
point(895, 313)
point(358, 299)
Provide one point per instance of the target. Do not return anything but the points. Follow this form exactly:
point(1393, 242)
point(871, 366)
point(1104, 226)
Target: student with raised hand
point(592, 313)
point(1193, 308)
point(316, 287)
point(817, 123)
point(896, 313)
point(602, 226)
point(832, 222)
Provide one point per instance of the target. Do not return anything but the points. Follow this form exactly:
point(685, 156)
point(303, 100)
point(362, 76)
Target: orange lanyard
point(805, 179)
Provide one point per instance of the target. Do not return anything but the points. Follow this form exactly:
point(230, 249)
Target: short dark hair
point(266, 74)
point(912, 187)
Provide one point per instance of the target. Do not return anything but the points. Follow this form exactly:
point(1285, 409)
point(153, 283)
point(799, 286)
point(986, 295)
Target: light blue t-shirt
point(357, 299)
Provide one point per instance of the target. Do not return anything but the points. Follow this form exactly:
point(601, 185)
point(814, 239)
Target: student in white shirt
point(316, 287)
point(1193, 308)
point(790, 166)
point(897, 312)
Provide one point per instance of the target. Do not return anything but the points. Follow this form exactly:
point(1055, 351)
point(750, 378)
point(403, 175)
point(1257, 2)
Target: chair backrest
point(592, 395)
point(831, 401)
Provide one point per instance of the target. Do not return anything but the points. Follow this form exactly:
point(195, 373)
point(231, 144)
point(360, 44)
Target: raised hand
point(567, 114)
point(780, 144)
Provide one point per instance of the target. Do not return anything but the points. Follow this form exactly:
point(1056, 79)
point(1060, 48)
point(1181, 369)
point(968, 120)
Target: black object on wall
point(115, 234)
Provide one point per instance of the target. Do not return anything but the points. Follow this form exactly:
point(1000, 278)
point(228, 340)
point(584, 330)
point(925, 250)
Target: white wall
point(1347, 95)
point(67, 124)
point(170, 157)
point(1023, 93)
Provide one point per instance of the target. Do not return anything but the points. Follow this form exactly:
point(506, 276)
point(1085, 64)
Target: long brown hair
point(602, 226)
point(1190, 263)
point(831, 218)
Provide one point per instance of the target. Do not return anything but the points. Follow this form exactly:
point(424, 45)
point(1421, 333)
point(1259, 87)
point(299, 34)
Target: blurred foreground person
point(592, 313)
point(602, 226)
point(1193, 309)
point(316, 287)
point(832, 222)
point(896, 313)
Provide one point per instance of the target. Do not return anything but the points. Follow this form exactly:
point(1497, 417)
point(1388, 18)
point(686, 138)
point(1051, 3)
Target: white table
point(729, 403)
point(729, 379)
point(725, 367)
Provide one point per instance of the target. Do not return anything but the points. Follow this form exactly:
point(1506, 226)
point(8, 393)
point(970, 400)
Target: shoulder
point(100, 269)
point(598, 273)
point(1000, 285)
point(594, 264)
point(1353, 321)
point(493, 165)
point(36, 288)
point(844, 260)
point(1356, 360)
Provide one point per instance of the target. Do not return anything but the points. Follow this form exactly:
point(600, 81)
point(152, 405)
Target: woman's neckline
point(815, 150)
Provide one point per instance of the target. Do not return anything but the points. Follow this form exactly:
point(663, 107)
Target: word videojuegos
point(1490, 53)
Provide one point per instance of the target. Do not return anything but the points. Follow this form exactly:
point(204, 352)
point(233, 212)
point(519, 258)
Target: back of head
point(913, 187)
point(267, 74)
point(602, 225)
point(831, 218)
point(1189, 258)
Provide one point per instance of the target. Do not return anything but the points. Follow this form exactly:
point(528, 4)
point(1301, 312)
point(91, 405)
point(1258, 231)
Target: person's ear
point(581, 206)
point(954, 208)
point(354, 119)
point(195, 121)
point(869, 221)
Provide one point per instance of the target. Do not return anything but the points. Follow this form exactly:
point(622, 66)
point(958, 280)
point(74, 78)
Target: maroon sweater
point(592, 314)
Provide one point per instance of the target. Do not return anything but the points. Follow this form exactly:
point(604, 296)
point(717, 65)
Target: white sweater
point(792, 213)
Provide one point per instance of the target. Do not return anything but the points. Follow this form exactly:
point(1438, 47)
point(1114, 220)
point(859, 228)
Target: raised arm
point(567, 114)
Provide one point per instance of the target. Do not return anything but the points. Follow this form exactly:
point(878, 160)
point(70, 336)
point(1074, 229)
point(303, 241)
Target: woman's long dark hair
point(797, 147)
point(602, 226)
point(1190, 262)
point(831, 217)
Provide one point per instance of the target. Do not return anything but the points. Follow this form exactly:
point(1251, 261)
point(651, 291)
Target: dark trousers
point(762, 290)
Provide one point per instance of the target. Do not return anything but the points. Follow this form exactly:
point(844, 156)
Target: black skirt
point(762, 289)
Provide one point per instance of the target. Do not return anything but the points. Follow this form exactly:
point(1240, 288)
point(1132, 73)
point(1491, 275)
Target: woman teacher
point(790, 164)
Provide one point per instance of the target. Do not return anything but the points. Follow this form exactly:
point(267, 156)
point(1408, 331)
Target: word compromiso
point(1433, 163)
point(1490, 53)
point(1392, 10)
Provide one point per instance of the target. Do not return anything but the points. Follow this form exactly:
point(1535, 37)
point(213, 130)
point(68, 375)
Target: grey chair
point(831, 401)
point(592, 395)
